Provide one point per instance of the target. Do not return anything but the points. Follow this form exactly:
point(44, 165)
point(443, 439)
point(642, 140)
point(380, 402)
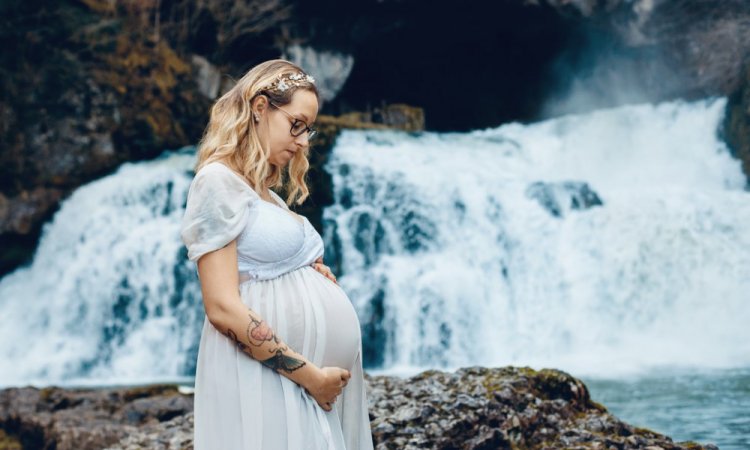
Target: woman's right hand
point(328, 385)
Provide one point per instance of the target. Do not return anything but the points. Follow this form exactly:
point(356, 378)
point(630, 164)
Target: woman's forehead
point(304, 103)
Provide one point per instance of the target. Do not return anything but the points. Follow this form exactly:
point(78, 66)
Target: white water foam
point(447, 258)
point(103, 299)
point(450, 263)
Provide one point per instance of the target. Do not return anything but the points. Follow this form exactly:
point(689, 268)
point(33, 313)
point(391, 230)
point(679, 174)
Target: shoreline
point(473, 407)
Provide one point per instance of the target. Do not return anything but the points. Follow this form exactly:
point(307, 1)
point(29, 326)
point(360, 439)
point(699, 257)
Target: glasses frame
point(311, 132)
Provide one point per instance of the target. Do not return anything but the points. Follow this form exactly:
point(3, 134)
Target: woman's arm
point(226, 312)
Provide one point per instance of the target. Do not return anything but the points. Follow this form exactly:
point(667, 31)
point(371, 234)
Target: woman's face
point(278, 123)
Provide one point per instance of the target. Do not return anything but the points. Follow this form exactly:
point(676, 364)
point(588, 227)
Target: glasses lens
point(298, 127)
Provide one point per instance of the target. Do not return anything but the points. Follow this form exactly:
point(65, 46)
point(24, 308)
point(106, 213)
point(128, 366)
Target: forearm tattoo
point(258, 332)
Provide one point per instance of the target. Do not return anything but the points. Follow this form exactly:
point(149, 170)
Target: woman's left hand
point(323, 269)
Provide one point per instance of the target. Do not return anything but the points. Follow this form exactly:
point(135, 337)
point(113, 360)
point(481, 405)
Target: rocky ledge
point(473, 408)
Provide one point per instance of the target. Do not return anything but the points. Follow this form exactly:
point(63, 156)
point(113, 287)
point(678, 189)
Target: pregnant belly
point(342, 334)
point(311, 314)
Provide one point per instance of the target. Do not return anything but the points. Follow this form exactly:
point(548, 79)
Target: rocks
point(93, 83)
point(96, 83)
point(474, 408)
point(705, 43)
point(562, 197)
point(78, 419)
point(85, 89)
point(480, 408)
point(20, 213)
point(736, 127)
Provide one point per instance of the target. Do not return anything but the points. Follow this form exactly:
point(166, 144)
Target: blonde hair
point(232, 136)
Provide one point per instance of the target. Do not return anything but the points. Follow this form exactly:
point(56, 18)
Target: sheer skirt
point(241, 404)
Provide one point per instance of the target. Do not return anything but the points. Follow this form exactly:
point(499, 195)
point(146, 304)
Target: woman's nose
point(302, 139)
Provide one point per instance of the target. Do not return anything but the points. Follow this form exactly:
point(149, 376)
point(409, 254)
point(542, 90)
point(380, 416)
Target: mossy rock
point(8, 442)
point(150, 391)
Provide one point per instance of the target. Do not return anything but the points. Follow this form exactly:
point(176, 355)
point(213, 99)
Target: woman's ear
point(259, 106)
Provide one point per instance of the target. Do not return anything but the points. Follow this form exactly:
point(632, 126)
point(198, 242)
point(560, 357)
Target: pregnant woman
point(280, 359)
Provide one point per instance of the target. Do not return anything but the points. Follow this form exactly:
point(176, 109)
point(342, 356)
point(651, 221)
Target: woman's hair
point(232, 136)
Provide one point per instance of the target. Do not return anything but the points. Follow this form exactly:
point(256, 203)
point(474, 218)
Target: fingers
point(345, 376)
point(324, 270)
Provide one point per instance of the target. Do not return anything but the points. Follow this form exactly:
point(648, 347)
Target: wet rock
point(736, 126)
point(207, 76)
point(472, 408)
point(502, 408)
point(559, 198)
point(79, 419)
point(706, 45)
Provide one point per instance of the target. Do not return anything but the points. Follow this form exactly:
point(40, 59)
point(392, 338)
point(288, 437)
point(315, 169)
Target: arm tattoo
point(258, 330)
point(231, 334)
point(282, 362)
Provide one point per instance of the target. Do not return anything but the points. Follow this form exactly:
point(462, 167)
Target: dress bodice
point(271, 241)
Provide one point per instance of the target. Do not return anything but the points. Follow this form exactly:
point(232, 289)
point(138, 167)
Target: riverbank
point(472, 408)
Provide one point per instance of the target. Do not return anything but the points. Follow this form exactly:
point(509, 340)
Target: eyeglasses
point(298, 126)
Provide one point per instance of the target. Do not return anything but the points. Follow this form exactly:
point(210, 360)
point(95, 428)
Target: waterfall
point(109, 296)
point(606, 243)
point(603, 243)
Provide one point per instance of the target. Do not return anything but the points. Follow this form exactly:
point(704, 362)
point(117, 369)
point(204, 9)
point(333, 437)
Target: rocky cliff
point(89, 84)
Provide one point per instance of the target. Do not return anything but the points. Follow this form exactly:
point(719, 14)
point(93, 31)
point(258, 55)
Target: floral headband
point(288, 80)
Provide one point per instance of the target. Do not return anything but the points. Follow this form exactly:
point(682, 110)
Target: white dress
point(239, 403)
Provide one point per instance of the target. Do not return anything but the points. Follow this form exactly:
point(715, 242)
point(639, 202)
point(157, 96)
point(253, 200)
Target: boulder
point(560, 198)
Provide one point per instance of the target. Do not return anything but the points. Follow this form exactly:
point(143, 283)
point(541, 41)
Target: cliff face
point(84, 89)
point(703, 46)
point(89, 84)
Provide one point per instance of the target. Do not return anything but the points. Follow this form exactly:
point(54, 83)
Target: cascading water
point(601, 243)
point(109, 297)
point(607, 243)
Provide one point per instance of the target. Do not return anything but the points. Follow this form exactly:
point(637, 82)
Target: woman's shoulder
point(215, 169)
point(218, 173)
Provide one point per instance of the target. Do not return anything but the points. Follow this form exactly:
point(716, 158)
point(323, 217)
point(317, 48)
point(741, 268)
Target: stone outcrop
point(561, 197)
point(705, 43)
point(91, 84)
point(736, 127)
point(85, 89)
point(78, 419)
point(473, 408)
point(95, 83)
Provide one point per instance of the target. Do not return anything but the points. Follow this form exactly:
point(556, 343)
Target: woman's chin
point(279, 165)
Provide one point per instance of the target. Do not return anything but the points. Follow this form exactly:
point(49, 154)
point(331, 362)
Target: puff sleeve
point(217, 210)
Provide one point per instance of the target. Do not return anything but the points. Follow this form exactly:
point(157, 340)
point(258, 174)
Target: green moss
point(690, 445)
point(598, 406)
point(150, 391)
point(8, 442)
point(641, 431)
point(46, 393)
